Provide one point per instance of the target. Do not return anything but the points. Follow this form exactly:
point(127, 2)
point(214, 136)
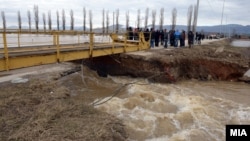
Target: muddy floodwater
point(187, 111)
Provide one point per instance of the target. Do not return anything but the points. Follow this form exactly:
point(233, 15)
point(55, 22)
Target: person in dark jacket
point(171, 34)
point(182, 38)
point(190, 39)
point(130, 33)
point(157, 36)
point(152, 39)
point(162, 37)
point(177, 35)
point(146, 35)
point(165, 35)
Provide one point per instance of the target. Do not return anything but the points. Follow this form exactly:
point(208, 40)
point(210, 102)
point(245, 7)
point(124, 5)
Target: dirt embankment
point(45, 109)
point(213, 61)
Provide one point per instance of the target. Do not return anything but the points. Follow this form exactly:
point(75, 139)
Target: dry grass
point(42, 110)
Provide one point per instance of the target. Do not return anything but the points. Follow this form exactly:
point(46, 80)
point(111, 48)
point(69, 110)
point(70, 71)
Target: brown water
point(186, 111)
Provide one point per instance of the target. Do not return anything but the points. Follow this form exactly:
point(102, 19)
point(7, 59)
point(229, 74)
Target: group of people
point(165, 37)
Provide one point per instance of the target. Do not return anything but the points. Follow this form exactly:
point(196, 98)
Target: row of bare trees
point(48, 20)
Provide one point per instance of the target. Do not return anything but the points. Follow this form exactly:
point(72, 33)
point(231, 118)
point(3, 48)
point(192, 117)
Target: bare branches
point(29, 19)
point(44, 22)
point(127, 20)
point(49, 20)
point(146, 18)
point(90, 21)
point(57, 20)
point(63, 20)
point(189, 18)
point(71, 19)
point(107, 22)
point(138, 18)
point(117, 20)
point(4, 20)
point(174, 16)
point(36, 17)
point(103, 21)
point(195, 19)
point(153, 18)
point(19, 20)
point(84, 19)
point(161, 18)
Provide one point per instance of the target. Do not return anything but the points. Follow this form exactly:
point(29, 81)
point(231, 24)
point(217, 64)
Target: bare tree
point(49, 20)
point(36, 17)
point(19, 20)
point(146, 18)
point(84, 19)
point(138, 18)
point(103, 21)
point(57, 20)
point(107, 22)
point(153, 18)
point(196, 9)
point(113, 21)
point(117, 20)
point(71, 19)
point(174, 16)
point(90, 21)
point(195, 18)
point(63, 20)
point(44, 22)
point(4, 20)
point(189, 18)
point(127, 20)
point(161, 18)
point(29, 19)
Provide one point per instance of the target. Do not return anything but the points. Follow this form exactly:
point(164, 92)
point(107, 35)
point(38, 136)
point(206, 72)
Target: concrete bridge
point(25, 48)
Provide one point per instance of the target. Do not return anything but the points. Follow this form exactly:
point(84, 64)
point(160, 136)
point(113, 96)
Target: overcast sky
point(210, 11)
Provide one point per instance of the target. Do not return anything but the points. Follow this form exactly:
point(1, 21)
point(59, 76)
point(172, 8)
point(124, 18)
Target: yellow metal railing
point(22, 48)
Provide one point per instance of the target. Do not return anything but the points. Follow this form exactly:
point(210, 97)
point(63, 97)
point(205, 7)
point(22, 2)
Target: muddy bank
point(214, 61)
point(53, 106)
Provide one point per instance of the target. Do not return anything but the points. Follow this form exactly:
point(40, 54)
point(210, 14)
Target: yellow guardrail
point(23, 48)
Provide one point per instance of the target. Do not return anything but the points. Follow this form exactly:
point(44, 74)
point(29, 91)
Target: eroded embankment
point(170, 68)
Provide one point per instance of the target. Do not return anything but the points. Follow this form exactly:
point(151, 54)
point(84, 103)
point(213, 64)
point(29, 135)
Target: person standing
point(162, 37)
point(157, 36)
point(182, 38)
point(165, 38)
point(171, 34)
point(146, 35)
point(130, 33)
point(190, 39)
point(176, 37)
point(152, 40)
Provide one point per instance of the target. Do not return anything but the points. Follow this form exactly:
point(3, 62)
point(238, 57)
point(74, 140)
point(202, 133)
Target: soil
point(213, 61)
point(45, 109)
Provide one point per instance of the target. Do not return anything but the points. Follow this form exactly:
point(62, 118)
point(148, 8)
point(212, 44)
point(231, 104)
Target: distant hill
point(230, 28)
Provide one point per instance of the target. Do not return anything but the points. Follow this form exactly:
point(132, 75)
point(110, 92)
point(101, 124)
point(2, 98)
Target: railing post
point(125, 45)
point(91, 43)
point(113, 43)
point(18, 36)
point(6, 54)
point(57, 47)
point(54, 38)
point(78, 38)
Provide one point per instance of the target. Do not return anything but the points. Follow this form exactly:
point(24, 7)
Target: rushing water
point(185, 111)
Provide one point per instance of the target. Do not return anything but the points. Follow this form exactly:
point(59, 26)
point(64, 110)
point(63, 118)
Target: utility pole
point(222, 13)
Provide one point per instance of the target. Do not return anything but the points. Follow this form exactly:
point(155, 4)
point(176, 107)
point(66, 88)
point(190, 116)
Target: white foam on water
point(157, 112)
